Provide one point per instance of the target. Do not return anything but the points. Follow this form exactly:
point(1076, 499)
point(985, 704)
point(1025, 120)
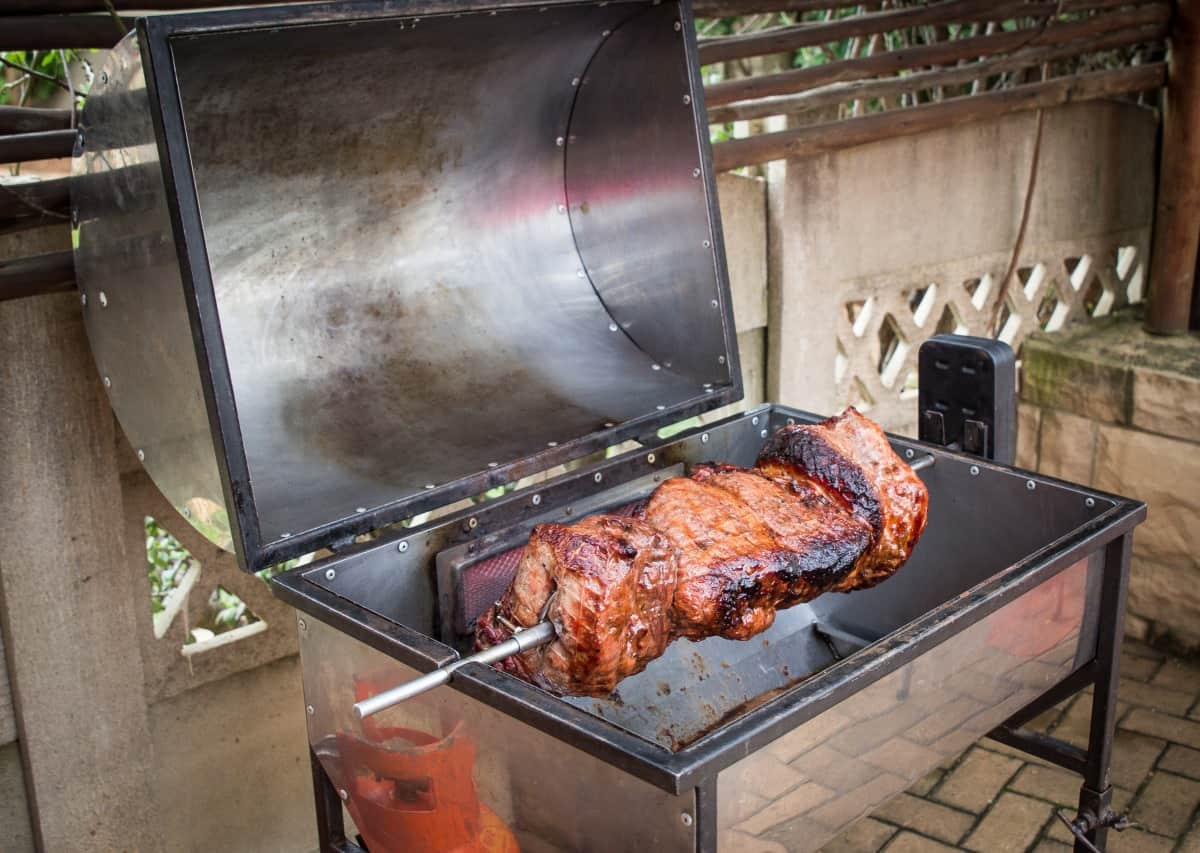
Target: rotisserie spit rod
point(521, 641)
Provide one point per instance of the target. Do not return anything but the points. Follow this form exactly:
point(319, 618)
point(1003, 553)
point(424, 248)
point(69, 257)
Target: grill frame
point(696, 765)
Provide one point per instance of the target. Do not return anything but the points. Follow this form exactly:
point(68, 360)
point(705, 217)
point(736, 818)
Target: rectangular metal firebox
point(352, 270)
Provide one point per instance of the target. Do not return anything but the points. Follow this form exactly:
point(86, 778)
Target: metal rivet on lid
point(302, 625)
point(107, 382)
point(187, 513)
point(754, 420)
point(493, 464)
point(612, 327)
point(695, 173)
point(791, 421)
point(579, 273)
point(360, 509)
point(430, 486)
point(763, 434)
point(704, 438)
point(661, 407)
point(103, 299)
point(141, 455)
point(281, 535)
point(678, 26)
point(707, 244)
point(974, 470)
point(536, 499)
point(716, 304)
point(342, 791)
point(1029, 484)
point(559, 141)
point(562, 208)
point(83, 299)
point(575, 81)
point(720, 359)
point(1090, 502)
point(687, 99)
point(597, 476)
point(552, 444)
point(310, 709)
point(472, 523)
point(402, 547)
point(606, 34)
point(609, 424)
point(656, 367)
point(909, 453)
point(650, 457)
point(330, 574)
point(686, 819)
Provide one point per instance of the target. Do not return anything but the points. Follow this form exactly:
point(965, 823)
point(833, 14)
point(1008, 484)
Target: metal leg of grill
point(1096, 794)
point(331, 829)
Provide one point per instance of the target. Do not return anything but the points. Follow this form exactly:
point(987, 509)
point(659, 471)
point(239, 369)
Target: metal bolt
point(909, 453)
point(493, 464)
point(597, 476)
point(402, 547)
point(716, 304)
point(342, 791)
point(754, 420)
point(656, 367)
point(281, 535)
point(559, 142)
point(678, 26)
point(103, 76)
point(575, 81)
point(360, 509)
point(472, 523)
point(430, 486)
point(552, 444)
point(330, 574)
point(707, 244)
point(302, 625)
point(661, 407)
point(1029, 484)
point(141, 455)
point(609, 425)
point(695, 173)
point(310, 709)
point(686, 819)
point(791, 421)
point(974, 470)
point(103, 299)
point(687, 99)
point(606, 34)
point(650, 457)
point(720, 359)
point(763, 434)
point(562, 208)
point(1090, 502)
point(536, 499)
point(704, 438)
point(107, 382)
point(612, 327)
point(83, 299)
point(580, 273)
point(187, 513)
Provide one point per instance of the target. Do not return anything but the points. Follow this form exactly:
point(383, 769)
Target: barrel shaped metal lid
point(420, 254)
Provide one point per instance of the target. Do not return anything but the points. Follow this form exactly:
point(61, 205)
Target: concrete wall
point(1109, 406)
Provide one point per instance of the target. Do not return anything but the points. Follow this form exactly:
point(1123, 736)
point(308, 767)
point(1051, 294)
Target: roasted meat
point(606, 583)
point(748, 545)
point(829, 507)
point(848, 457)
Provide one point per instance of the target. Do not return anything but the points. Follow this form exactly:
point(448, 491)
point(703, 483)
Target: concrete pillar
point(67, 599)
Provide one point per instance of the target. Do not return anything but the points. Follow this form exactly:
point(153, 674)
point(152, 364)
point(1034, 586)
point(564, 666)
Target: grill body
point(783, 739)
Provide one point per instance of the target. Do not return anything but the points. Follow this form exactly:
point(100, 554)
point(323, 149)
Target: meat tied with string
point(829, 507)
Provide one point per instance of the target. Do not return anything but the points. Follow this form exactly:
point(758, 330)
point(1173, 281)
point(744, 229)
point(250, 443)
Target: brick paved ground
point(995, 798)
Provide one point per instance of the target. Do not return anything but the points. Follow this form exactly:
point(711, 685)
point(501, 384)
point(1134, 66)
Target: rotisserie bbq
point(829, 508)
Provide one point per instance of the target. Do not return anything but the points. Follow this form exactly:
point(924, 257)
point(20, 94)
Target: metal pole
point(1177, 217)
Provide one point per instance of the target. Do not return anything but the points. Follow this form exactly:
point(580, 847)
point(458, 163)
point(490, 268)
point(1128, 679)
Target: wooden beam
point(838, 135)
point(726, 48)
point(60, 7)
point(1177, 215)
point(839, 93)
point(49, 32)
point(738, 8)
point(32, 119)
point(941, 53)
point(33, 198)
point(46, 145)
point(52, 273)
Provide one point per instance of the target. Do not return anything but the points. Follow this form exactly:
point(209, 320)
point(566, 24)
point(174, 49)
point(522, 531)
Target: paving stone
point(1182, 760)
point(1137, 841)
point(924, 816)
point(1076, 724)
point(1048, 846)
point(1177, 675)
point(1174, 729)
point(866, 836)
point(1139, 649)
point(977, 780)
point(1157, 697)
point(1191, 842)
point(902, 757)
point(1166, 804)
point(1133, 758)
point(927, 782)
point(907, 842)
point(1005, 749)
point(1138, 668)
point(1048, 783)
point(1010, 825)
point(802, 799)
point(841, 811)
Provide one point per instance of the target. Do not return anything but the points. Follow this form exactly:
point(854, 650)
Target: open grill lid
point(396, 254)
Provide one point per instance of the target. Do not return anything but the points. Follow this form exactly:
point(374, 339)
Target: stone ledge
point(1113, 371)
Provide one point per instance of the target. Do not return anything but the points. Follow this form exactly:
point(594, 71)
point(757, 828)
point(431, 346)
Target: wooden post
point(1177, 217)
point(67, 594)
